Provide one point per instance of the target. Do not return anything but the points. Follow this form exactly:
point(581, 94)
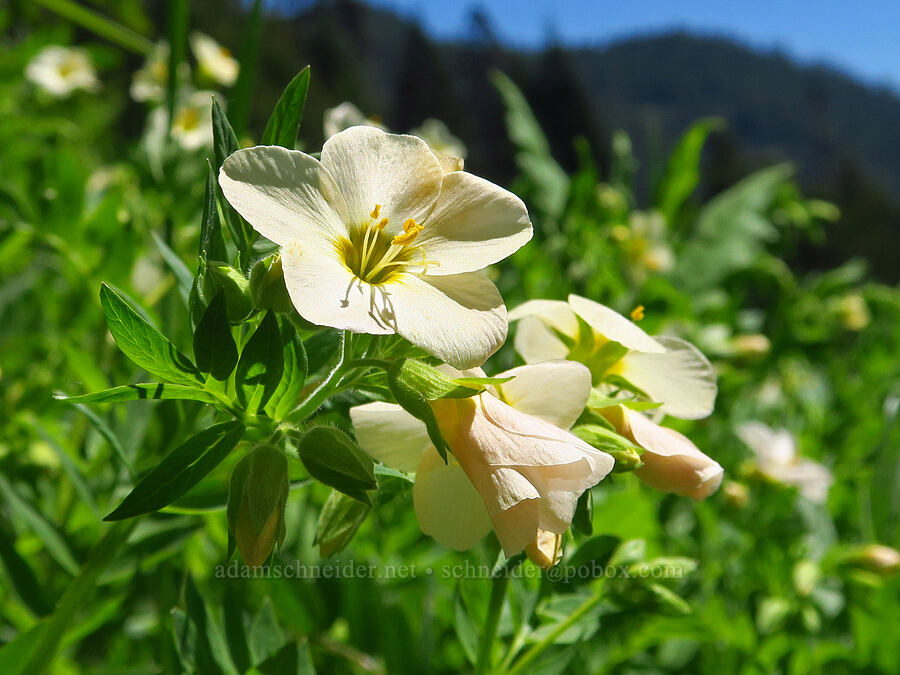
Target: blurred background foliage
point(765, 232)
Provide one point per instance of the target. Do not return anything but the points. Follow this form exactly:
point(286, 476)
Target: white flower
point(377, 239)
point(344, 116)
point(777, 458)
point(513, 467)
point(668, 370)
point(150, 82)
point(449, 149)
point(214, 60)
point(671, 462)
point(191, 124)
point(62, 70)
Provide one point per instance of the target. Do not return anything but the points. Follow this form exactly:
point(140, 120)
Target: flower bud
point(235, 286)
point(546, 549)
point(878, 558)
point(267, 285)
point(256, 498)
point(671, 462)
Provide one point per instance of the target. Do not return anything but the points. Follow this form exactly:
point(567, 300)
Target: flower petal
point(535, 341)
point(682, 378)
point(613, 326)
point(399, 173)
point(672, 463)
point(771, 446)
point(555, 313)
point(447, 506)
point(474, 224)
point(812, 478)
point(461, 319)
point(326, 293)
point(285, 195)
point(390, 434)
point(554, 391)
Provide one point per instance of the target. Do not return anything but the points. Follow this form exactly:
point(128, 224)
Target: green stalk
point(529, 657)
point(498, 594)
point(99, 24)
point(326, 387)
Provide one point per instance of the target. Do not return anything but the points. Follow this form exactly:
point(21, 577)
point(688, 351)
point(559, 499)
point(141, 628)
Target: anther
point(376, 212)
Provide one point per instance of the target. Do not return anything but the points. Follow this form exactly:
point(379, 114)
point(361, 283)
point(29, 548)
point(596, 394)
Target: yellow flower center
point(69, 66)
point(374, 256)
point(187, 119)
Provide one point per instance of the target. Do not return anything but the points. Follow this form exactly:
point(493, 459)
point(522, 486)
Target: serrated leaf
point(285, 120)
point(214, 348)
point(183, 468)
point(339, 520)
point(333, 458)
point(143, 344)
point(261, 366)
point(151, 391)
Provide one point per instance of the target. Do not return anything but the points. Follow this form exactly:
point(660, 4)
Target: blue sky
point(859, 37)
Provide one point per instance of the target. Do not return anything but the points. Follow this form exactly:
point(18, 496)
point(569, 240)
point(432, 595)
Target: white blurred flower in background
point(60, 71)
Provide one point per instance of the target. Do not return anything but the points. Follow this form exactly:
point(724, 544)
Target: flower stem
point(498, 594)
point(528, 657)
point(326, 387)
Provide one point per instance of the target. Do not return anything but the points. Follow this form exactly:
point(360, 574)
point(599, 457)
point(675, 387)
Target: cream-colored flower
point(671, 462)
point(514, 466)
point(344, 116)
point(214, 60)
point(449, 149)
point(377, 239)
point(777, 459)
point(150, 82)
point(62, 70)
point(192, 126)
point(668, 370)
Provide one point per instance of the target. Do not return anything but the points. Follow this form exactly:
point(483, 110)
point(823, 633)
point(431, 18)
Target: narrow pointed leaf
point(261, 366)
point(151, 391)
point(180, 470)
point(294, 376)
point(143, 344)
point(214, 348)
point(285, 120)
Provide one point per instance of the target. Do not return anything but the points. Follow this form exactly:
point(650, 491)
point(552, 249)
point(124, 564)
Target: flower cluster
point(382, 235)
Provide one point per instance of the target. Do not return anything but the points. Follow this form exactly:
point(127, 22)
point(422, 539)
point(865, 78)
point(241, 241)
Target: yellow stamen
point(637, 313)
point(375, 212)
point(407, 237)
point(382, 224)
point(411, 224)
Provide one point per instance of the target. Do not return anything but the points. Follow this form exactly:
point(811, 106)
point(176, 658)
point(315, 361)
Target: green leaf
point(333, 458)
point(143, 344)
point(180, 470)
point(242, 94)
point(432, 384)
point(212, 247)
point(73, 601)
point(683, 171)
point(52, 540)
point(339, 520)
point(261, 367)
point(285, 120)
point(151, 391)
point(293, 356)
point(214, 348)
point(584, 509)
point(178, 16)
point(22, 577)
point(225, 143)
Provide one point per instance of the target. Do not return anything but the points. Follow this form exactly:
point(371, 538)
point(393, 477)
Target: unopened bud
point(878, 558)
point(236, 288)
point(256, 498)
point(267, 285)
point(546, 549)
